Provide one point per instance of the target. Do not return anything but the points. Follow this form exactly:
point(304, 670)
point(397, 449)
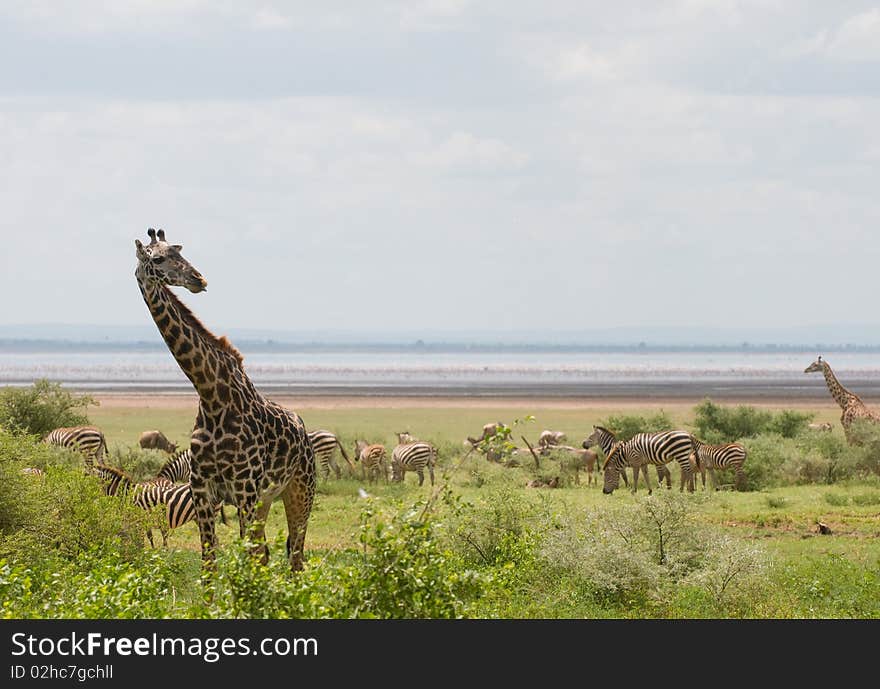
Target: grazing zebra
point(650, 448)
point(177, 498)
point(372, 459)
point(156, 440)
point(176, 470)
point(605, 439)
point(324, 443)
point(711, 457)
point(87, 440)
point(413, 457)
point(405, 437)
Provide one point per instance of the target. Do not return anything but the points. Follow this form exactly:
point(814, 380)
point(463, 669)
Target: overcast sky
point(444, 164)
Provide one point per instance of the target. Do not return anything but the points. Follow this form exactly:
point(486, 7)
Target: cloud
point(856, 39)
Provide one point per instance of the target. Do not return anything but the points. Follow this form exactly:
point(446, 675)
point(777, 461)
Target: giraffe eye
point(158, 259)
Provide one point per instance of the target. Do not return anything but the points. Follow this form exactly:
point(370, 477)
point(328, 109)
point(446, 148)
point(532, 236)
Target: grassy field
point(479, 542)
point(814, 575)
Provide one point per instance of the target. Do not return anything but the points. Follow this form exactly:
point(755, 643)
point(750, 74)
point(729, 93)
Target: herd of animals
point(245, 450)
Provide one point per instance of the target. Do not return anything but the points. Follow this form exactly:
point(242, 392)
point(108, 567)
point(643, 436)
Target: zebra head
point(614, 464)
point(817, 366)
point(162, 262)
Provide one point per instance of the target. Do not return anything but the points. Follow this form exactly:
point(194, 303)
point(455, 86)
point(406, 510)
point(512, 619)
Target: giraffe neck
point(211, 363)
point(840, 394)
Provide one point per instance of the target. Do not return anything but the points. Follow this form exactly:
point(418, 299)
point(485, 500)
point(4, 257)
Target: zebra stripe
point(324, 443)
point(372, 459)
point(413, 457)
point(711, 457)
point(605, 439)
point(177, 498)
point(87, 440)
point(176, 469)
point(650, 448)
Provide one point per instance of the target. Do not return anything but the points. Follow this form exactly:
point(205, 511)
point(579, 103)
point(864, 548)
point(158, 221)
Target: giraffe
point(851, 404)
point(246, 449)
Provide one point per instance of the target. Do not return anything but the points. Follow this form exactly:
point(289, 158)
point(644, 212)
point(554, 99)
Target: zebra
point(324, 443)
point(176, 470)
point(711, 457)
point(87, 440)
point(606, 440)
point(650, 448)
point(372, 459)
point(33, 471)
point(177, 498)
point(413, 457)
point(405, 437)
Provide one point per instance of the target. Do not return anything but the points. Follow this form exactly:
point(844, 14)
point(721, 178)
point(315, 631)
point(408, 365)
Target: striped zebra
point(650, 448)
point(372, 459)
point(413, 457)
point(33, 471)
point(177, 498)
point(324, 443)
point(87, 440)
point(605, 439)
point(711, 457)
point(176, 470)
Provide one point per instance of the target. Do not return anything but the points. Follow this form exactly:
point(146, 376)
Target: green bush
point(41, 408)
point(717, 424)
point(401, 571)
point(63, 512)
point(637, 555)
point(625, 426)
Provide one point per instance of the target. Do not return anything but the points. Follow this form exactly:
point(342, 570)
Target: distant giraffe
point(851, 404)
point(246, 450)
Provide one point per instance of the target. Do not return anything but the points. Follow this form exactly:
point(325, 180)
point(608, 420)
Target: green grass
point(813, 575)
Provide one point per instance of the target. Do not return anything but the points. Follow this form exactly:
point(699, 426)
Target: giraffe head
point(162, 262)
point(817, 366)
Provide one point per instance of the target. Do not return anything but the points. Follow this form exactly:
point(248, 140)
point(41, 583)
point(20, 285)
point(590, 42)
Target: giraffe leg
point(297, 506)
point(205, 518)
point(262, 512)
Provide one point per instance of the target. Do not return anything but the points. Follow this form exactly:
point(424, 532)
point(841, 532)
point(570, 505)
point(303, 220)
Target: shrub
point(625, 426)
point(41, 408)
point(637, 554)
point(64, 512)
point(715, 423)
point(139, 464)
point(836, 499)
point(401, 571)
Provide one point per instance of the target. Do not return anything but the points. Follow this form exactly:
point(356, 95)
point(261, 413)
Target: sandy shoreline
point(166, 400)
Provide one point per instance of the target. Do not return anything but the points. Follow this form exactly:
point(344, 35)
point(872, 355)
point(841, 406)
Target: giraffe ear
point(139, 249)
point(177, 247)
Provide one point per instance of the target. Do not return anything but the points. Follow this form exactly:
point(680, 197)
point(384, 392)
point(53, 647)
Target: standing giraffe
point(246, 450)
point(851, 404)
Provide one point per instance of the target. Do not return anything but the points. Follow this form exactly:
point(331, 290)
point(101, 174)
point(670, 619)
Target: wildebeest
point(489, 430)
point(548, 438)
point(156, 440)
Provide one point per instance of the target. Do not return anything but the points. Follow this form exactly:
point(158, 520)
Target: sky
point(444, 164)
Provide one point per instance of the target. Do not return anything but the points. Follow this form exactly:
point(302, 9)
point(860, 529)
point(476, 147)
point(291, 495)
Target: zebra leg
point(150, 536)
point(739, 479)
point(635, 477)
point(336, 469)
point(421, 475)
point(297, 506)
point(431, 472)
point(663, 472)
point(164, 533)
point(647, 479)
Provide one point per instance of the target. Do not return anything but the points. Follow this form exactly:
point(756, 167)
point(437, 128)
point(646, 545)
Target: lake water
point(476, 372)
